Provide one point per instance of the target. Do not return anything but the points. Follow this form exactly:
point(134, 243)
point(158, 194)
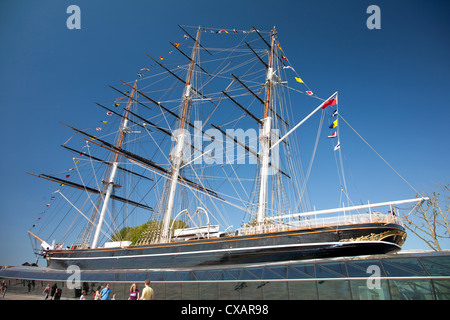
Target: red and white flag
point(331, 102)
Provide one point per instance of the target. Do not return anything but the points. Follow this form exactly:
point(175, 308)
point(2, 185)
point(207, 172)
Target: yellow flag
point(299, 80)
point(333, 125)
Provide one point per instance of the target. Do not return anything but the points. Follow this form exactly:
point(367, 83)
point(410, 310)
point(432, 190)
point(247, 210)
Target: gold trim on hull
point(381, 236)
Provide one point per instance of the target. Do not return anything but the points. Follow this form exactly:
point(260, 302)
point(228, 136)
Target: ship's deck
point(316, 222)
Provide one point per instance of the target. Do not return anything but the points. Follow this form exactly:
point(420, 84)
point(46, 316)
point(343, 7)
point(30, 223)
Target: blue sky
point(393, 84)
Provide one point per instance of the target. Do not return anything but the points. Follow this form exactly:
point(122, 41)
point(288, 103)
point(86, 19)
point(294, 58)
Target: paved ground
point(23, 296)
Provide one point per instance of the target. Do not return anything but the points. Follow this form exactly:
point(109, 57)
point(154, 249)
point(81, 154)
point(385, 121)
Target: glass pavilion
point(402, 276)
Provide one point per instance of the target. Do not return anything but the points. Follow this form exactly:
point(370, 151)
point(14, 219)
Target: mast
point(176, 153)
point(264, 139)
point(113, 171)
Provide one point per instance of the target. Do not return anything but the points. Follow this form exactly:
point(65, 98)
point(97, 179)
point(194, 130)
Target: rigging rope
point(409, 184)
point(313, 154)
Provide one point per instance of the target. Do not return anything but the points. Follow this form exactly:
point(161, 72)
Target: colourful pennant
point(288, 67)
point(333, 125)
point(333, 135)
point(331, 102)
point(338, 146)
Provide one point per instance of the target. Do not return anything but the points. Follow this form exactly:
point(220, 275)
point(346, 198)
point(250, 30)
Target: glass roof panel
point(257, 271)
point(121, 276)
point(109, 276)
point(294, 273)
point(394, 270)
point(281, 270)
point(231, 274)
point(186, 275)
point(203, 275)
point(437, 266)
point(272, 273)
point(322, 272)
point(247, 275)
point(89, 276)
point(308, 269)
point(132, 276)
point(411, 264)
point(357, 271)
point(338, 267)
point(47, 275)
point(364, 265)
point(155, 276)
point(170, 276)
point(217, 274)
point(208, 276)
point(142, 276)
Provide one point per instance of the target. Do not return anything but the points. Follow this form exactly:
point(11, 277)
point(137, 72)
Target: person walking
point(46, 291)
point(53, 290)
point(97, 295)
point(58, 294)
point(105, 293)
point(4, 288)
point(147, 293)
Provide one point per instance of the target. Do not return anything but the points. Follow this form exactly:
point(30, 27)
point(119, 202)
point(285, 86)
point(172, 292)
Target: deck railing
point(315, 222)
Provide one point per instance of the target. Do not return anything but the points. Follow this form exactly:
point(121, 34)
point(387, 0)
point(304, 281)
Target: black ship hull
point(314, 243)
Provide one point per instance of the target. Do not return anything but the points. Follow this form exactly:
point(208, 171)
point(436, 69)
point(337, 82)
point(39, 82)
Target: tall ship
point(196, 161)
